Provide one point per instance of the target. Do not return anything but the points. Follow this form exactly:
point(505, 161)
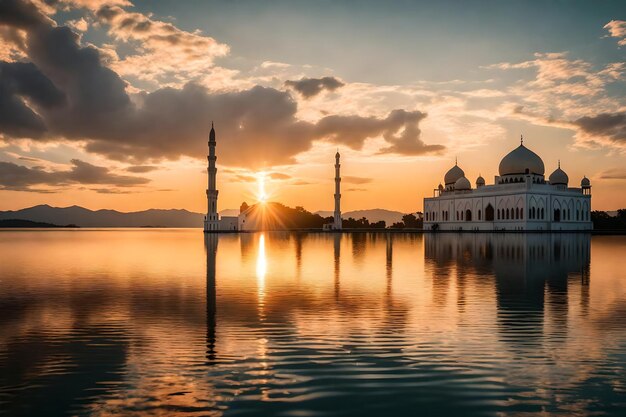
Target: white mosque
point(520, 199)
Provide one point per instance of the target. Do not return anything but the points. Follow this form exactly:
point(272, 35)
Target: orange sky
point(136, 138)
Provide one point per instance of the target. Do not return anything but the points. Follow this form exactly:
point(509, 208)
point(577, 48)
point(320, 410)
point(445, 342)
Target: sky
point(108, 103)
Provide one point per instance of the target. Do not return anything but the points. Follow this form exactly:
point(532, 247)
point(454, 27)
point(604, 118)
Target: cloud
point(614, 174)
point(21, 178)
point(310, 87)
point(140, 169)
point(609, 127)
point(279, 176)
point(245, 178)
point(355, 189)
point(356, 180)
point(80, 25)
point(18, 82)
point(163, 50)
point(87, 102)
point(617, 29)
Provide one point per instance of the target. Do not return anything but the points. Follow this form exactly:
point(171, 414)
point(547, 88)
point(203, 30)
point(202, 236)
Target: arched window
point(479, 215)
point(468, 215)
point(461, 214)
point(521, 213)
point(426, 216)
point(557, 215)
point(489, 213)
point(543, 214)
point(507, 214)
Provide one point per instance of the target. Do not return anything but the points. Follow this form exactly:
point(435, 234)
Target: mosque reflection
point(531, 273)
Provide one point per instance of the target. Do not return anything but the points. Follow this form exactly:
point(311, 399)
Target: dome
point(453, 174)
point(585, 182)
point(440, 188)
point(519, 160)
point(480, 181)
point(462, 184)
point(558, 177)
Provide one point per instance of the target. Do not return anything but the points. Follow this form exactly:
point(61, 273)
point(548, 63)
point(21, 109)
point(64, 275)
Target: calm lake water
point(166, 322)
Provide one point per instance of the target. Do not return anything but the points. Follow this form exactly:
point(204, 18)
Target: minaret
point(211, 220)
point(337, 217)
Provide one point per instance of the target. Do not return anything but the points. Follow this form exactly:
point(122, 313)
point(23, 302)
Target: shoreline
point(599, 232)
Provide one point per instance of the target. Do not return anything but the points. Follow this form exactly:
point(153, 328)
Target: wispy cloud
point(617, 29)
point(21, 178)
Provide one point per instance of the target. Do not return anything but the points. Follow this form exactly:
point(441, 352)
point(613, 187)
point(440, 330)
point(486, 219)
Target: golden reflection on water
point(173, 322)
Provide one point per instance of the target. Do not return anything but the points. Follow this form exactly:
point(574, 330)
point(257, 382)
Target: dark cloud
point(256, 128)
point(21, 178)
point(140, 169)
point(400, 128)
point(356, 180)
point(20, 82)
point(407, 141)
point(607, 125)
point(21, 14)
point(310, 87)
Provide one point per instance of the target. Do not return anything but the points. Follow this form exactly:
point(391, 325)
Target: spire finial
point(559, 164)
point(211, 124)
point(521, 139)
point(456, 160)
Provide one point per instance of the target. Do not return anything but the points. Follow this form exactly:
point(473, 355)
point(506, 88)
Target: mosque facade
point(520, 199)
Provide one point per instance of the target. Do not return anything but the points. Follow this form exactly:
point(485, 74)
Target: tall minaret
point(211, 221)
point(337, 217)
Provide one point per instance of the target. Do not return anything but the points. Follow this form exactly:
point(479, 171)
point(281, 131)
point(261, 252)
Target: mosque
point(520, 199)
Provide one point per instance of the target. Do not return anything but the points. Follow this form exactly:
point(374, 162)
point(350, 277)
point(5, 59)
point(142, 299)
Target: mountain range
point(83, 217)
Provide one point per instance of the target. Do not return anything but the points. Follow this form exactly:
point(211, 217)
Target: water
point(164, 322)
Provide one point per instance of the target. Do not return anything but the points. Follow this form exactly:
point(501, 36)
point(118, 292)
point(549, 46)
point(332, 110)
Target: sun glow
point(261, 194)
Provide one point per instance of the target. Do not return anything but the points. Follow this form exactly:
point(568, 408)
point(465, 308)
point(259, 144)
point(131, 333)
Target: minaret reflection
point(337, 265)
point(531, 277)
point(210, 246)
point(261, 271)
point(298, 238)
point(389, 263)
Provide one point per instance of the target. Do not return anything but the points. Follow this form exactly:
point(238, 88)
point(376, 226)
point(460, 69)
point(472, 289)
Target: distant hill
point(83, 217)
point(229, 212)
point(15, 223)
point(373, 215)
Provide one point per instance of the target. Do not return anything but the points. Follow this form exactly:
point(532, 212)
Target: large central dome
point(453, 174)
point(519, 160)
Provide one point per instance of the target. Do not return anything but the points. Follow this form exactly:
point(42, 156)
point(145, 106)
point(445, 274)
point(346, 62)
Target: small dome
point(519, 160)
point(337, 155)
point(440, 188)
point(480, 181)
point(585, 182)
point(453, 174)
point(558, 177)
point(462, 184)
